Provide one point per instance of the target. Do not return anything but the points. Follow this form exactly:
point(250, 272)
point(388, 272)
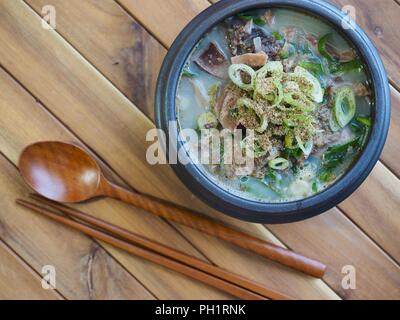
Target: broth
point(291, 81)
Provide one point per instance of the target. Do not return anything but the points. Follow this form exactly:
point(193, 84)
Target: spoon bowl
point(60, 171)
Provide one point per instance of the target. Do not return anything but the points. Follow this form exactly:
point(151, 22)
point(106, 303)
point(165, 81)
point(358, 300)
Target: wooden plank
point(316, 235)
point(175, 15)
point(391, 152)
point(104, 93)
point(18, 281)
point(19, 131)
point(365, 206)
point(84, 96)
point(130, 57)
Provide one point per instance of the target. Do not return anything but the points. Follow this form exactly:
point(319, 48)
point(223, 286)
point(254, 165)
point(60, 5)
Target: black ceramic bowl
point(250, 210)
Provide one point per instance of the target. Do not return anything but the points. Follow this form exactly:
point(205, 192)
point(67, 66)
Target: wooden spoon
point(66, 173)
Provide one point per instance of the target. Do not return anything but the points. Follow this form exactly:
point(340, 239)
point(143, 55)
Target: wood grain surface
point(19, 281)
point(92, 81)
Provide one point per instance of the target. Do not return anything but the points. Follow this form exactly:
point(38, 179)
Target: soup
point(296, 91)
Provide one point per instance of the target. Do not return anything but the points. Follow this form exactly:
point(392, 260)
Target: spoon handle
point(193, 220)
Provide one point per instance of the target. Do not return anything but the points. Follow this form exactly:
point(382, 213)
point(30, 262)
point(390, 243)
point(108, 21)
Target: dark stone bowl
point(251, 210)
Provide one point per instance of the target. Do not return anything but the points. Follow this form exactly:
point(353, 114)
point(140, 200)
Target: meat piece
point(324, 139)
point(225, 103)
point(361, 90)
point(251, 59)
point(312, 39)
point(339, 54)
point(241, 42)
point(213, 61)
point(325, 135)
point(290, 63)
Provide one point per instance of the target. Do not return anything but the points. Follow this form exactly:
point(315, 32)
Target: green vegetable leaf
point(334, 156)
point(277, 35)
point(340, 67)
point(313, 67)
point(257, 20)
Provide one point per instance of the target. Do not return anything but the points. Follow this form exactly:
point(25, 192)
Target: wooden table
point(92, 81)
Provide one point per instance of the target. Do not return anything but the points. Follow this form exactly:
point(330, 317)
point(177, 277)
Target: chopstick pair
point(178, 261)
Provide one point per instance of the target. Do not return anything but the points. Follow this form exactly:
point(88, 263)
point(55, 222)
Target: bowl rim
point(251, 210)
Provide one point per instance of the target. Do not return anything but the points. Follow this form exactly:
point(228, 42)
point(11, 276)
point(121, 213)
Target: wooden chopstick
point(194, 273)
point(191, 219)
point(165, 250)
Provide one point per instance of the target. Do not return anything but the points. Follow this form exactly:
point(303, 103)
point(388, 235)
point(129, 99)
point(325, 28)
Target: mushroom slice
point(213, 61)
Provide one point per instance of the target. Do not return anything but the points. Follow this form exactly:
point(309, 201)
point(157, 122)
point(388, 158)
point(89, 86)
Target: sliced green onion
point(298, 100)
point(344, 106)
point(279, 164)
point(235, 75)
point(312, 86)
point(270, 89)
point(270, 69)
point(248, 104)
